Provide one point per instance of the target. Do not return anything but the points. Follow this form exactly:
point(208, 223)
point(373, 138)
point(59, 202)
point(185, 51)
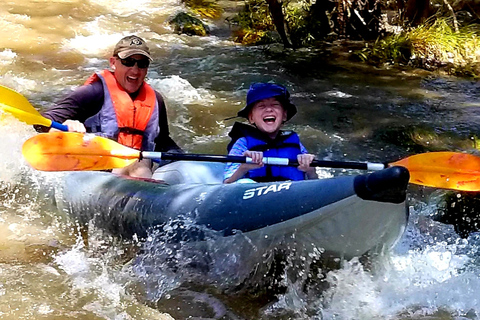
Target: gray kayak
point(346, 216)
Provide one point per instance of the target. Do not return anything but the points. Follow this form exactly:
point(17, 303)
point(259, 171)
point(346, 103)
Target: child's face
point(268, 115)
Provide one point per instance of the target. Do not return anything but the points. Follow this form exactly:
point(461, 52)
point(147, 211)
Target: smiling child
point(268, 108)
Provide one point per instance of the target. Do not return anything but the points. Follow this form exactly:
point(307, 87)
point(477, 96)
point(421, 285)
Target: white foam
point(16, 82)
point(338, 94)
point(180, 90)
point(95, 45)
point(420, 282)
point(13, 133)
point(90, 274)
point(7, 57)
point(128, 7)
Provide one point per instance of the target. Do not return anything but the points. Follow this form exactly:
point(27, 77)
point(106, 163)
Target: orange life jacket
point(132, 116)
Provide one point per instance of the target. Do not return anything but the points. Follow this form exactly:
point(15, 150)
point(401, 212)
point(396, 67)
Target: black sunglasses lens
point(130, 62)
point(142, 64)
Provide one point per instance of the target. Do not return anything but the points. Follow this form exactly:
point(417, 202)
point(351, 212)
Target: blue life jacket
point(285, 145)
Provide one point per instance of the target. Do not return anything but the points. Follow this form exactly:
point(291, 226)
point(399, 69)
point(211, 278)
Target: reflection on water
point(49, 268)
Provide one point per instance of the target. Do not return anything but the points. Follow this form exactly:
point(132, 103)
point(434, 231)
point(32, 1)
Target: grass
point(433, 45)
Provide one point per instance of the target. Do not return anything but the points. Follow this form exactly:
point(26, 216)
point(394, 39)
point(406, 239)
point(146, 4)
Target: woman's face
point(268, 115)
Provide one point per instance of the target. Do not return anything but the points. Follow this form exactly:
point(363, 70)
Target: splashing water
point(48, 270)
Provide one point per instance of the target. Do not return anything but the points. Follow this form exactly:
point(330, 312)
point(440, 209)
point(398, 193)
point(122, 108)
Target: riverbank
point(438, 45)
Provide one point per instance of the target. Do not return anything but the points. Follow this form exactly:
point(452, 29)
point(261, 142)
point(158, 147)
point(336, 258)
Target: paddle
point(16, 104)
point(70, 151)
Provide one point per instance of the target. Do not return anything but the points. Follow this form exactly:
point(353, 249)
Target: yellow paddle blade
point(72, 151)
point(447, 170)
point(16, 104)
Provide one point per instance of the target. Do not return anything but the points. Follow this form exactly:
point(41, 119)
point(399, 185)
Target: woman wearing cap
point(120, 105)
point(268, 108)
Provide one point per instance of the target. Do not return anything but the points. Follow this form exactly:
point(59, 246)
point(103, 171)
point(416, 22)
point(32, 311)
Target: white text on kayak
point(260, 191)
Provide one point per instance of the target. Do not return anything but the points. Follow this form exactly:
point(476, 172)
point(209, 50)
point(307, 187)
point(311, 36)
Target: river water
point(347, 111)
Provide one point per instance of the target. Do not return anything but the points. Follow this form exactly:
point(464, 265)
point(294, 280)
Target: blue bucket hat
point(260, 91)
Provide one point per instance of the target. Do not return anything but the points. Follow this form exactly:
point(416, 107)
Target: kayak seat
point(190, 172)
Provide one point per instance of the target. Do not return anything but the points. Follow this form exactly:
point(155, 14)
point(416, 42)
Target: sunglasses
point(130, 62)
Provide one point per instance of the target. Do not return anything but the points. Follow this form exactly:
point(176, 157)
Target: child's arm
point(235, 171)
point(257, 158)
point(305, 159)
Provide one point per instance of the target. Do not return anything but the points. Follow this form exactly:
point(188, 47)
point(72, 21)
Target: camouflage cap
point(131, 45)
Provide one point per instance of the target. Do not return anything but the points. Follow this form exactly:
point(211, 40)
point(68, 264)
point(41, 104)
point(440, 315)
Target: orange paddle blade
point(71, 151)
point(447, 170)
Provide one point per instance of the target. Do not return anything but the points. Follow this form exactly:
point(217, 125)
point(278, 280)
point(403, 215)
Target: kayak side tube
point(349, 215)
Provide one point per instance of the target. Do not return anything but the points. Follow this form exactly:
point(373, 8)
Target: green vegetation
point(254, 24)
point(184, 23)
point(304, 27)
point(205, 8)
point(434, 35)
point(434, 45)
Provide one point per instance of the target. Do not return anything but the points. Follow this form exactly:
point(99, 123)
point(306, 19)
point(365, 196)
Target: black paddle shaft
point(267, 160)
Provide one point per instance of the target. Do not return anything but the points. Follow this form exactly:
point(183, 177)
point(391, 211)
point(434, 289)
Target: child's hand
point(304, 161)
point(257, 160)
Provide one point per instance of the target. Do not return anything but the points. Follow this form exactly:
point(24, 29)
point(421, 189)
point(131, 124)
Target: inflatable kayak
point(346, 216)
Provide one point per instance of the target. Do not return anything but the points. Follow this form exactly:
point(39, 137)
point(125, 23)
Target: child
point(268, 108)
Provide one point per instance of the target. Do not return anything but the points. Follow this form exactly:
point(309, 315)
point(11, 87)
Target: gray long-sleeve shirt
point(87, 101)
